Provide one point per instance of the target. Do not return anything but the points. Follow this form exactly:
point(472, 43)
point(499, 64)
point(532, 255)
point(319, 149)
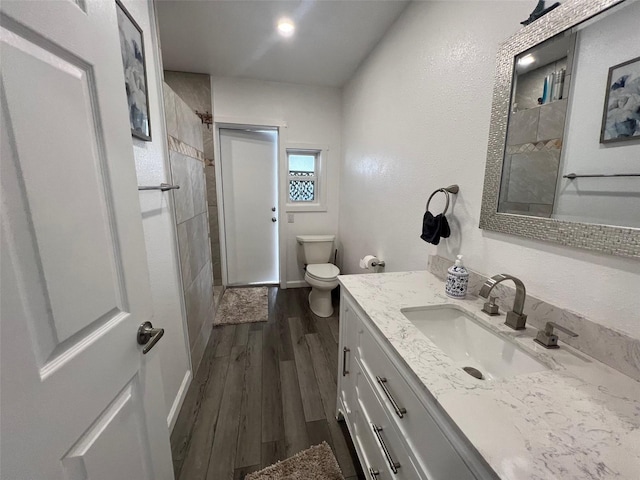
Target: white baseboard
point(179, 400)
point(297, 284)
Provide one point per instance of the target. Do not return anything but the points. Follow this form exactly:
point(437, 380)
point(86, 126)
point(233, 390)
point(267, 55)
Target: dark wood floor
point(264, 391)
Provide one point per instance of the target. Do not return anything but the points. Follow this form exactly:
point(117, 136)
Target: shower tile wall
point(532, 159)
point(186, 158)
point(195, 90)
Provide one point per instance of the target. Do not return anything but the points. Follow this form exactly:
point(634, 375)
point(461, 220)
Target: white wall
point(600, 45)
point(152, 168)
point(416, 117)
point(313, 116)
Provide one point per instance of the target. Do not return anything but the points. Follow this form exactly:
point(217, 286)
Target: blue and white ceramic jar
point(457, 280)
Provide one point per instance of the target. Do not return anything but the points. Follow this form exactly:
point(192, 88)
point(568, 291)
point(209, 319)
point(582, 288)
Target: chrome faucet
point(515, 318)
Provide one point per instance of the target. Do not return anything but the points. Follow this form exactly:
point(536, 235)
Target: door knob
point(149, 336)
point(274, 219)
point(273, 209)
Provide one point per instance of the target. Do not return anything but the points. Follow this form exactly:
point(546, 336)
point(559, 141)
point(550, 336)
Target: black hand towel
point(434, 228)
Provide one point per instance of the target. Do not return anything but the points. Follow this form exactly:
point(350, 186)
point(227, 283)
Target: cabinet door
point(349, 325)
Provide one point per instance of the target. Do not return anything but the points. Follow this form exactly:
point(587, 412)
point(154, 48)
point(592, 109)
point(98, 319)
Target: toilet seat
point(323, 271)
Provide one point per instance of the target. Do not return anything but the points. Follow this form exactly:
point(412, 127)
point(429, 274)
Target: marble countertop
point(578, 420)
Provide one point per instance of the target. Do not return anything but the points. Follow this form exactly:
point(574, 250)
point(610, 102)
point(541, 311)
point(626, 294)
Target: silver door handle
point(373, 473)
point(400, 411)
point(163, 187)
point(274, 219)
point(149, 336)
point(392, 463)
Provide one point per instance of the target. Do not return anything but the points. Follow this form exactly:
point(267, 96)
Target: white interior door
point(249, 164)
point(79, 399)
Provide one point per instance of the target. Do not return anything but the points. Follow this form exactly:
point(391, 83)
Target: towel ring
point(450, 189)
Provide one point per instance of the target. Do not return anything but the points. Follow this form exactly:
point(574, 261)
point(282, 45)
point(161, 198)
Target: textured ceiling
point(238, 38)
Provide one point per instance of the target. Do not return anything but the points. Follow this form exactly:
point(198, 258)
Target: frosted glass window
point(302, 163)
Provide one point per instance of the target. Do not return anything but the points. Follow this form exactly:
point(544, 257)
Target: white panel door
point(79, 399)
point(249, 190)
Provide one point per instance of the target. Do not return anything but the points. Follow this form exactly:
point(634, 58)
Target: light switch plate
point(290, 218)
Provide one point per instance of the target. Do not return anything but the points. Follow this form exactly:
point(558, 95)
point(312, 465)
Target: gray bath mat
point(315, 463)
point(243, 305)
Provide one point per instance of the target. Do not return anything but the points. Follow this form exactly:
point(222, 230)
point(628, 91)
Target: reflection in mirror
point(540, 93)
point(558, 119)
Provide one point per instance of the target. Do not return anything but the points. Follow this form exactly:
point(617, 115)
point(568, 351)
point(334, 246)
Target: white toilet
point(316, 252)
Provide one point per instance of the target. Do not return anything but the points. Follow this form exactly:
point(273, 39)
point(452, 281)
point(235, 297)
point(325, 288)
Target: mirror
point(564, 153)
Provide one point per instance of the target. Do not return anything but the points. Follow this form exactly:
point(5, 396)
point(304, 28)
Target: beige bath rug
point(315, 463)
point(243, 305)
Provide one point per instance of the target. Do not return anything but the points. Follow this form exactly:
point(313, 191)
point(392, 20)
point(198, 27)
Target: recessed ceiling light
point(526, 60)
point(286, 28)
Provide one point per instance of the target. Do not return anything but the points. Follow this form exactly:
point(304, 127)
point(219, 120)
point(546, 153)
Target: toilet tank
point(316, 248)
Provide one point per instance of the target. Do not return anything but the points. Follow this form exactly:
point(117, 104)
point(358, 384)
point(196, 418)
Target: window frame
point(319, 202)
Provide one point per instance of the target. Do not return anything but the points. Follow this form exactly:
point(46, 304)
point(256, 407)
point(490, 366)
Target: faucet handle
point(548, 328)
point(490, 307)
point(548, 339)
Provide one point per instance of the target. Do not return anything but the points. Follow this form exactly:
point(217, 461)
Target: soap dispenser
point(457, 280)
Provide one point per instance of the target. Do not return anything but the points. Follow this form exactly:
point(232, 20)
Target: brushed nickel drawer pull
point(373, 473)
point(163, 187)
point(400, 411)
point(344, 361)
point(392, 463)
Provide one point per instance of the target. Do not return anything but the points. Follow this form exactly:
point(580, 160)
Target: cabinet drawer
point(373, 463)
point(371, 458)
point(422, 435)
point(389, 453)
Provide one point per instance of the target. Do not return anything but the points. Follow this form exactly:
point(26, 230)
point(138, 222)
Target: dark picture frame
point(135, 73)
point(620, 121)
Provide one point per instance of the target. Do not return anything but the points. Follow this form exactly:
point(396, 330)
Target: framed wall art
point(621, 117)
point(135, 73)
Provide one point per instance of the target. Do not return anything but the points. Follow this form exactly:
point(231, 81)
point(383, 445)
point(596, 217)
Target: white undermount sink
point(470, 344)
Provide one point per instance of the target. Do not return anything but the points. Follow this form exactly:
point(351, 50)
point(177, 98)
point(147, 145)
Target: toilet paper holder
point(371, 261)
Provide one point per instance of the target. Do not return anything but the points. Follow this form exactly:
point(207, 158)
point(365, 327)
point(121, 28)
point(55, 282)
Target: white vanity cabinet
point(398, 431)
